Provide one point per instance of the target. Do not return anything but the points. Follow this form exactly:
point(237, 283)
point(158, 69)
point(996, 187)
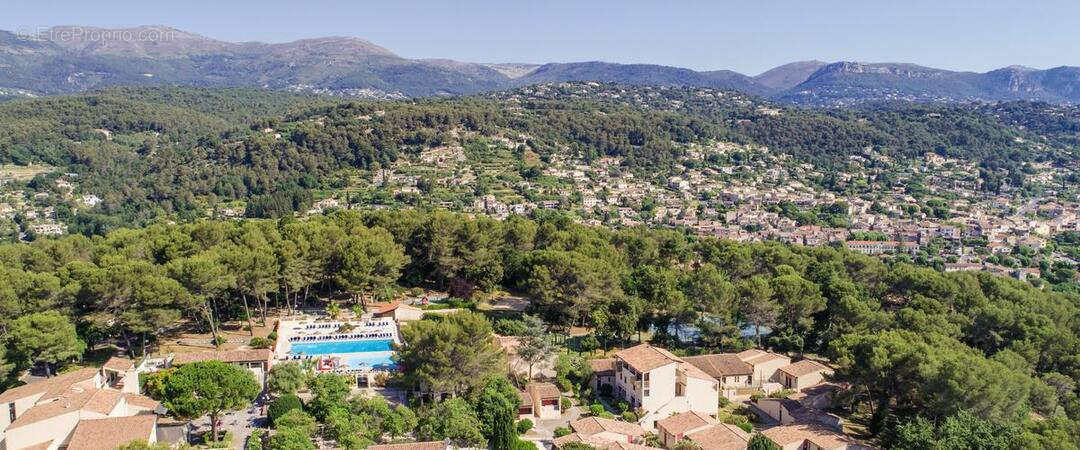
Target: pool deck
point(316, 331)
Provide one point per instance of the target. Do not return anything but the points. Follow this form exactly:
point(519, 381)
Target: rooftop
point(723, 436)
point(755, 356)
point(683, 422)
point(111, 432)
point(645, 357)
point(803, 367)
point(602, 365)
point(593, 425)
point(229, 356)
point(815, 434)
point(51, 387)
point(720, 364)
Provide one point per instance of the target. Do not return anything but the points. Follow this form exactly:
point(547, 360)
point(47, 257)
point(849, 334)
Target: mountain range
point(73, 59)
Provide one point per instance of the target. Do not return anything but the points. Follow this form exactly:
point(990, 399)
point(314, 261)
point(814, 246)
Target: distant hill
point(789, 75)
point(73, 59)
point(641, 74)
point(851, 82)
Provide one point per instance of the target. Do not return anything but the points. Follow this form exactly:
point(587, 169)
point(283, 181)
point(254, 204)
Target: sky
point(749, 36)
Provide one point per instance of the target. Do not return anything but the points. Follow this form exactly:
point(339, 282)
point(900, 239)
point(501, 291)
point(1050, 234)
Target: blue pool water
point(379, 361)
point(338, 347)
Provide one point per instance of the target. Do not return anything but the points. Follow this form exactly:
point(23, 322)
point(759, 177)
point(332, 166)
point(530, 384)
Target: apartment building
point(662, 384)
point(49, 414)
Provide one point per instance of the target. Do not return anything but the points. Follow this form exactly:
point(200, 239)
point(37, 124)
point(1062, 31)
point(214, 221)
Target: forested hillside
point(917, 346)
point(177, 152)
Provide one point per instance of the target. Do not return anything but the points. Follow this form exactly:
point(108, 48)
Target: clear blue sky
point(746, 35)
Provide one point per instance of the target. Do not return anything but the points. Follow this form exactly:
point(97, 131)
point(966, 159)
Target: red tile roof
point(112, 432)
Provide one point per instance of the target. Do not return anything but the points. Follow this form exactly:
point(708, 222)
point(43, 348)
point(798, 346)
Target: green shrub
point(724, 402)
point(629, 416)
point(524, 425)
point(509, 327)
point(255, 440)
point(622, 406)
point(564, 385)
point(218, 340)
point(520, 444)
point(272, 336)
point(606, 415)
point(565, 403)
point(260, 342)
point(783, 393)
point(224, 442)
point(596, 409)
point(561, 431)
point(282, 405)
point(745, 426)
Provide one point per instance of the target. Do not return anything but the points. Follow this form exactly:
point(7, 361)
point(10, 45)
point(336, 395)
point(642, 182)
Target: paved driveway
point(238, 423)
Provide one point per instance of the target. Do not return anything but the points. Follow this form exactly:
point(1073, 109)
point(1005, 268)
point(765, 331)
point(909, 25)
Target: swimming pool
point(338, 347)
point(377, 361)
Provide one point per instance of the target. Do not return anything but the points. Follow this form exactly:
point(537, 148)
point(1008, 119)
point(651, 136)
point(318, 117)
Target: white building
point(662, 384)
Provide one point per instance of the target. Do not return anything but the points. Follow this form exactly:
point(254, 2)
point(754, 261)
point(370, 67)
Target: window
point(11, 412)
point(646, 393)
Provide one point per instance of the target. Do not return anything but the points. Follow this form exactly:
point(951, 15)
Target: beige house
point(603, 373)
point(599, 432)
point(765, 364)
point(675, 428)
point(540, 401)
point(803, 374)
point(788, 412)
point(722, 436)
point(396, 310)
point(112, 432)
point(258, 360)
point(45, 414)
point(702, 430)
point(736, 376)
point(662, 384)
point(810, 437)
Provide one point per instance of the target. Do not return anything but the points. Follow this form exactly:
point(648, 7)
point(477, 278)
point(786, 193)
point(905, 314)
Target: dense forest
point(918, 348)
point(174, 152)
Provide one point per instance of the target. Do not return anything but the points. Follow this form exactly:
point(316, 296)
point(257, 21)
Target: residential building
point(809, 437)
point(603, 374)
point(675, 428)
point(803, 374)
point(396, 310)
point(112, 432)
point(45, 414)
point(722, 436)
point(662, 384)
point(736, 376)
point(600, 430)
point(258, 360)
point(765, 364)
point(540, 401)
